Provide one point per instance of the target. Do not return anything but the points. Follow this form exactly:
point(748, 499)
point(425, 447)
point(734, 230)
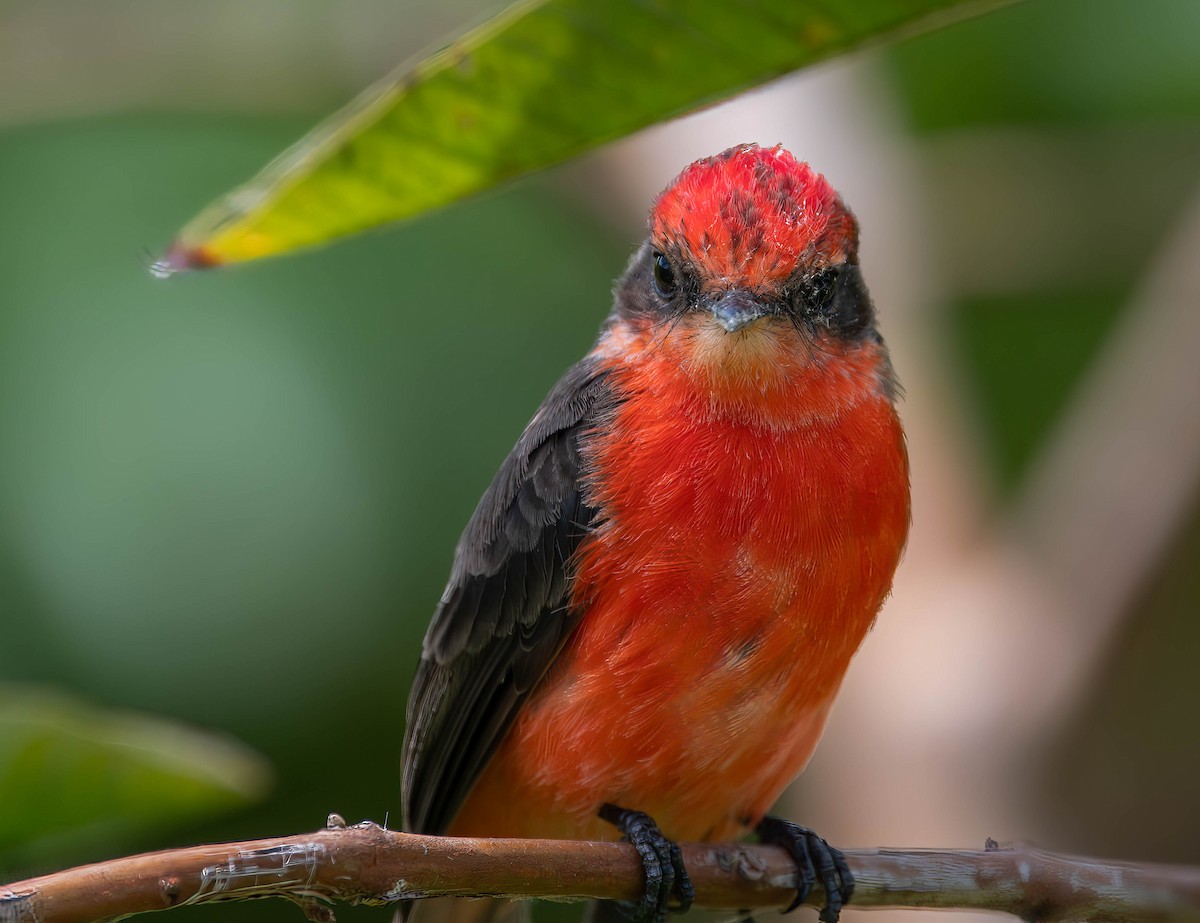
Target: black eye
point(664, 277)
point(821, 288)
point(836, 298)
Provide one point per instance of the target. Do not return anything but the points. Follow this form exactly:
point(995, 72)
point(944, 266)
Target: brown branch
point(367, 864)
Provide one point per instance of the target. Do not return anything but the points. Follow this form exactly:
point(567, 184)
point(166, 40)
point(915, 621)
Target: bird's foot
point(661, 859)
point(814, 859)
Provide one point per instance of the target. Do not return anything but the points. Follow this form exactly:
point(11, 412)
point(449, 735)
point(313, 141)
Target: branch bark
point(367, 864)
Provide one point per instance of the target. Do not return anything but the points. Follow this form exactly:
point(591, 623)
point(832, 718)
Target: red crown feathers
point(750, 215)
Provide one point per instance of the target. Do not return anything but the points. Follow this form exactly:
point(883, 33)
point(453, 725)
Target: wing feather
point(504, 615)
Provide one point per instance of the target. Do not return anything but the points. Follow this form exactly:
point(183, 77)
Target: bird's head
point(750, 270)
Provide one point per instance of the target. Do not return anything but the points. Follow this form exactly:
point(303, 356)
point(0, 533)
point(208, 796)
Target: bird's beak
point(737, 309)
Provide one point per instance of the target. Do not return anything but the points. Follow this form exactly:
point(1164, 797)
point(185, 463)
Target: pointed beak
point(737, 309)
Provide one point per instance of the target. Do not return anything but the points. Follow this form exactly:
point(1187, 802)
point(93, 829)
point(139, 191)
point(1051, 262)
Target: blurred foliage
point(1050, 336)
point(1076, 93)
point(74, 778)
point(234, 498)
point(1080, 122)
point(1056, 63)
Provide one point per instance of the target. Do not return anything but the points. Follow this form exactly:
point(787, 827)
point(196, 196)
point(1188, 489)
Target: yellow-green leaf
point(543, 81)
point(74, 776)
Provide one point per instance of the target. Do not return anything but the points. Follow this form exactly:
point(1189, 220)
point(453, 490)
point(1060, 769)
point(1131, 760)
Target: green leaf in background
point(541, 82)
point(73, 776)
point(1132, 62)
point(994, 337)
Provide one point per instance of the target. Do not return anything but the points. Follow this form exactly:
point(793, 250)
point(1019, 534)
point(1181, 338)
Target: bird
point(652, 608)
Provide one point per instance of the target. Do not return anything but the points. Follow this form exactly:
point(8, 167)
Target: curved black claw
point(814, 859)
point(661, 859)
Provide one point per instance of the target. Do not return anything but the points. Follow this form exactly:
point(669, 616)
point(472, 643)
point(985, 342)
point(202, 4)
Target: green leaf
point(1066, 63)
point(538, 84)
point(1019, 411)
point(73, 776)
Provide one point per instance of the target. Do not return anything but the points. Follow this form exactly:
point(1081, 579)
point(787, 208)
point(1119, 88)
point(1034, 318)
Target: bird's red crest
point(749, 215)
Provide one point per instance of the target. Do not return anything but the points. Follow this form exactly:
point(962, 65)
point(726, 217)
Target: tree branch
point(367, 864)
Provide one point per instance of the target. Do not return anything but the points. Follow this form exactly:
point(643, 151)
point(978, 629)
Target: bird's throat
point(767, 373)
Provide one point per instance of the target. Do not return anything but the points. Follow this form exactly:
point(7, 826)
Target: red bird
point(651, 611)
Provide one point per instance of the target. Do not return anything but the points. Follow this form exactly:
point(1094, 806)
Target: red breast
point(754, 507)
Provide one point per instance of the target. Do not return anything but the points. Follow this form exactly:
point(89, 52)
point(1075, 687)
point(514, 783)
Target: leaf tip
point(180, 258)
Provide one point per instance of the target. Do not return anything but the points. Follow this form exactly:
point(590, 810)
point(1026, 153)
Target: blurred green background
point(230, 500)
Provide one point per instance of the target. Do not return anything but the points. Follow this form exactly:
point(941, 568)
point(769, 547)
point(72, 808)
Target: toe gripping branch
point(661, 859)
point(814, 859)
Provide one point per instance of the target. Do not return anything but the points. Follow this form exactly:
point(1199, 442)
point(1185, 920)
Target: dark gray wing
point(504, 615)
